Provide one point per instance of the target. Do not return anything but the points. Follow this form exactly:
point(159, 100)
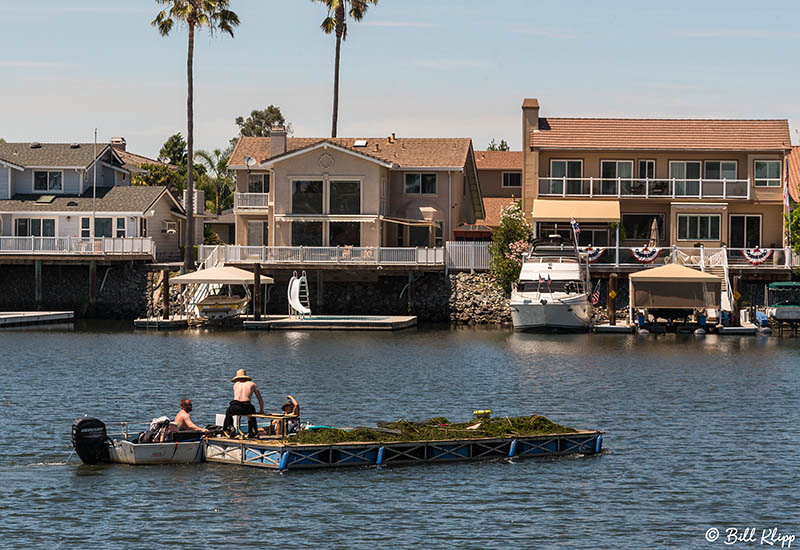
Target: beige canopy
point(674, 286)
point(224, 275)
point(588, 211)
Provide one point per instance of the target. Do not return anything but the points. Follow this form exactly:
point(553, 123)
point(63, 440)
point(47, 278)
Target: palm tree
point(194, 14)
point(217, 164)
point(336, 21)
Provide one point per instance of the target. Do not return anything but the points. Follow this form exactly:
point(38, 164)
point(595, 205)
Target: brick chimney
point(118, 143)
point(530, 158)
point(277, 140)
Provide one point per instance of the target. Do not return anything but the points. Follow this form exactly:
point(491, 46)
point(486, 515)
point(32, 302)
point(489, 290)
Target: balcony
point(324, 255)
point(627, 188)
point(77, 246)
point(251, 201)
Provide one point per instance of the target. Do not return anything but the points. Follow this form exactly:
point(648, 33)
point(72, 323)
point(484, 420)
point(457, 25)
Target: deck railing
point(644, 188)
point(472, 256)
point(102, 246)
point(345, 255)
point(251, 201)
point(700, 257)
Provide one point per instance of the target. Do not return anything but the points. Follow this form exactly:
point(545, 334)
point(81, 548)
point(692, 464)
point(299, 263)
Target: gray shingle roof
point(111, 199)
point(50, 154)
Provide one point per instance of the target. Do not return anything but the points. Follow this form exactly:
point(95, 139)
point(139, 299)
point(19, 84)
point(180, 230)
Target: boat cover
point(226, 275)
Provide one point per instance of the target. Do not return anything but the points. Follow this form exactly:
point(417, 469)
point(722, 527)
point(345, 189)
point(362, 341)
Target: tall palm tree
point(217, 164)
point(194, 14)
point(336, 21)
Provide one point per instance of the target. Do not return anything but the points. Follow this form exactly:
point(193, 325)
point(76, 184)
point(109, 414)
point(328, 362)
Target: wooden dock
point(282, 455)
point(620, 328)
point(22, 318)
point(157, 323)
point(332, 322)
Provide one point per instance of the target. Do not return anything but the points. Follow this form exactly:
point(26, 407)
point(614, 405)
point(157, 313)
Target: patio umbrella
point(653, 242)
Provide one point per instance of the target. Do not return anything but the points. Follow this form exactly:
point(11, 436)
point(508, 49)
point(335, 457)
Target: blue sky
point(416, 67)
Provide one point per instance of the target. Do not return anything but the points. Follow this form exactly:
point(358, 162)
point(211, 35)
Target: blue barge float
point(284, 455)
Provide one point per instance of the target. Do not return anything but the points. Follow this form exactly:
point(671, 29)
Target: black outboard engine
point(89, 439)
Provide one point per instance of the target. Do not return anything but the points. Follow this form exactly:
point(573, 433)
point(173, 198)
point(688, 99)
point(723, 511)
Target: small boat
point(552, 291)
point(783, 301)
point(220, 307)
point(93, 445)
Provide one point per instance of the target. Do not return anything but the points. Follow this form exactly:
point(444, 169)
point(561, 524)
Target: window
point(594, 237)
point(704, 227)
point(438, 239)
point(512, 179)
point(610, 170)
point(257, 233)
point(169, 227)
point(258, 183)
point(721, 169)
point(401, 232)
point(566, 169)
point(345, 234)
point(102, 227)
point(745, 231)
point(687, 177)
point(306, 233)
point(637, 226)
point(86, 228)
point(120, 228)
point(22, 227)
point(306, 197)
point(47, 181)
point(418, 235)
point(420, 184)
point(35, 227)
point(768, 173)
point(345, 197)
point(647, 169)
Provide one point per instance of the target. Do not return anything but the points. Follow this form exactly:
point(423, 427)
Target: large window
point(703, 227)
point(420, 184)
point(687, 177)
point(647, 169)
point(47, 181)
point(593, 236)
point(306, 197)
point(345, 234)
point(721, 169)
point(610, 170)
point(638, 226)
point(258, 183)
point(35, 227)
point(745, 231)
point(566, 169)
point(86, 227)
point(257, 233)
point(419, 235)
point(511, 179)
point(306, 233)
point(103, 227)
point(768, 173)
point(345, 197)
point(120, 228)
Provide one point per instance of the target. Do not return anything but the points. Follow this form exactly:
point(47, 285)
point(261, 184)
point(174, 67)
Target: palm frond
point(328, 25)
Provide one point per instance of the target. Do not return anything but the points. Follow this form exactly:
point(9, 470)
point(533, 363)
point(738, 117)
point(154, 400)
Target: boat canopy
point(785, 285)
point(674, 286)
point(593, 211)
point(225, 275)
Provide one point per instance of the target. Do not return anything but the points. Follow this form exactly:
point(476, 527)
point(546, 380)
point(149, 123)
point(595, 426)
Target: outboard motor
point(89, 439)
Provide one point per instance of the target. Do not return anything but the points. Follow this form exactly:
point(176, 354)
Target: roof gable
point(56, 155)
point(498, 160)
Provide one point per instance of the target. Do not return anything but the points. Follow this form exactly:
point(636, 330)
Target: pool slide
point(294, 296)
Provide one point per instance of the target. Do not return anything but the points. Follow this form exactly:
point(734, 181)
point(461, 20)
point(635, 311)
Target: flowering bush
point(509, 243)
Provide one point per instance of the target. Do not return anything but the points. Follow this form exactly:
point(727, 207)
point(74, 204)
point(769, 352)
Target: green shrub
point(509, 243)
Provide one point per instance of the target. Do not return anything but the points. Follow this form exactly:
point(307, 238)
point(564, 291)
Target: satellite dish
point(249, 161)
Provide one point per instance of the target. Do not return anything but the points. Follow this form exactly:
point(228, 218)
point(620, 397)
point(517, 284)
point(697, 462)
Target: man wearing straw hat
point(243, 390)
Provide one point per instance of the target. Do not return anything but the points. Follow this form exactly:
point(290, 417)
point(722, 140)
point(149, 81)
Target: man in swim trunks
point(243, 390)
point(184, 420)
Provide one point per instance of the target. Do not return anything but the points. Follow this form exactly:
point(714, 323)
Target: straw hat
point(240, 375)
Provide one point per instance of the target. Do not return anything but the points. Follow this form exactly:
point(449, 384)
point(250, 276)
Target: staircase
point(194, 294)
point(717, 264)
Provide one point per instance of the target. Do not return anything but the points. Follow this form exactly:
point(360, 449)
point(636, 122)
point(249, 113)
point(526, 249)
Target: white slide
point(294, 297)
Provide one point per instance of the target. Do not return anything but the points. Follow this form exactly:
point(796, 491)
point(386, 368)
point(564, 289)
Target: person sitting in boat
point(243, 390)
point(290, 409)
point(184, 420)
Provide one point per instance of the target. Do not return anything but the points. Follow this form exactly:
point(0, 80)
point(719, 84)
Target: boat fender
point(284, 463)
point(543, 301)
point(598, 444)
point(765, 330)
point(381, 456)
point(512, 451)
point(90, 440)
point(699, 332)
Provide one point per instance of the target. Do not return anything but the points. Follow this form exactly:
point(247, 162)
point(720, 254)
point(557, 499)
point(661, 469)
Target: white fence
point(345, 255)
point(108, 246)
point(472, 256)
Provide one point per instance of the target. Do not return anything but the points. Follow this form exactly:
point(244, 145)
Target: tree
point(194, 15)
point(216, 164)
point(494, 146)
point(2, 140)
point(336, 22)
point(793, 227)
point(160, 174)
point(174, 151)
point(259, 123)
point(509, 243)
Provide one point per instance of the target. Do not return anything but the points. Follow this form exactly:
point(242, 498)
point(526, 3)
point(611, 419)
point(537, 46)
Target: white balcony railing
point(344, 255)
point(644, 188)
point(251, 201)
point(700, 257)
point(99, 246)
point(468, 255)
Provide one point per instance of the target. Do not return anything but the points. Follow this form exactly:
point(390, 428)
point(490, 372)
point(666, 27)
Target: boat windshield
point(784, 296)
point(567, 287)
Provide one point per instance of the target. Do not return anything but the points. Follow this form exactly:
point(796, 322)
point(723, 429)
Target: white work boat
point(783, 301)
point(552, 291)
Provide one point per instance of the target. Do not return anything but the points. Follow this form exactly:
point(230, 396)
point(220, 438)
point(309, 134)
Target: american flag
point(575, 227)
point(595, 297)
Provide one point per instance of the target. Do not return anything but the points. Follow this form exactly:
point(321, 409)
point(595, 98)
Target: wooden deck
point(332, 322)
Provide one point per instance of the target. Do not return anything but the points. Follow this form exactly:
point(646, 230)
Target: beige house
point(368, 192)
point(707, 183)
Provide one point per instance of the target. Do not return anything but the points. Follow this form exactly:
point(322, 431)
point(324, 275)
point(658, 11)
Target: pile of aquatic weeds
point(434, 429)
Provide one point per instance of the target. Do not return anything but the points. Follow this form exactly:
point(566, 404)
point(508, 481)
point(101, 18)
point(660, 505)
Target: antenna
point(249, 161)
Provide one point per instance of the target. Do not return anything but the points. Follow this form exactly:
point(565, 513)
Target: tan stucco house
point(369, 192)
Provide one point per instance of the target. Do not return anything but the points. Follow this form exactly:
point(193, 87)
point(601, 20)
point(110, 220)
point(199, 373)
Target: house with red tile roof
point(367, 192)
point(706, 184)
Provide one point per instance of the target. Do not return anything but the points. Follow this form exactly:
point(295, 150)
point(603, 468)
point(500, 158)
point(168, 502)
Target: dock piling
point(37, 268)
point(257, 292)
point(165, 295)
point(92, 286)
point(736, 321)
point(612, 299)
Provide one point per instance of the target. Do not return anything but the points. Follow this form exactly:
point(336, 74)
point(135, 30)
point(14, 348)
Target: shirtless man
point(184, 420)
point(243, 390)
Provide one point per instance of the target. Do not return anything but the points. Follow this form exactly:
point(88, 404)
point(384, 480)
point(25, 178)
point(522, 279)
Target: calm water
point(702, 432)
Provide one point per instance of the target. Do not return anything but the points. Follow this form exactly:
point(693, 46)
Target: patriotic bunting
point(756, 256)
point(592, 254)
point(645, 255)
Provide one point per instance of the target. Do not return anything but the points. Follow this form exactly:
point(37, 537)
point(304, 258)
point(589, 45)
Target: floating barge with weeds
point(404, 442)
